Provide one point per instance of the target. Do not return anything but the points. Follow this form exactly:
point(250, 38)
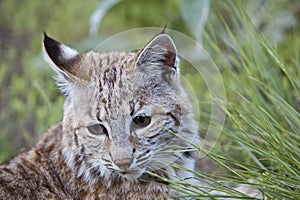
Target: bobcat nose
point(123, 163)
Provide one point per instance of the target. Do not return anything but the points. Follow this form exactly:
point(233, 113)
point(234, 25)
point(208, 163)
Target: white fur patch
point(68, 53)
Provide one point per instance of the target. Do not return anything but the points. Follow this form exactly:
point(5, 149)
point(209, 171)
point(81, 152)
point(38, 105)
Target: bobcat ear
point(160, 51)
point(63, 58)
point(70, 66)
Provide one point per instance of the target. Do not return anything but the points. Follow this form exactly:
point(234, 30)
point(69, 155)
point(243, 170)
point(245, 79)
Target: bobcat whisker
point(142, 162)
point(156, 148)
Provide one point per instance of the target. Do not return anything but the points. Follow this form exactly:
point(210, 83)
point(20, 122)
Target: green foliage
point(261, 136)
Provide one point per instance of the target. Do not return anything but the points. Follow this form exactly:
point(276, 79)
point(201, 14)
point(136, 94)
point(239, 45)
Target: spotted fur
point(110, 89)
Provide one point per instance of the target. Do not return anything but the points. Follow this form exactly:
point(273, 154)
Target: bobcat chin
point(126, 117)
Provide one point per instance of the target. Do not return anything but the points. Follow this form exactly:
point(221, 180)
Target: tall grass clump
point(258, 154)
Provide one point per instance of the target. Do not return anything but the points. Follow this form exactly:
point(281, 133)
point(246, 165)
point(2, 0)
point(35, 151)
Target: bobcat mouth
point(131, 174)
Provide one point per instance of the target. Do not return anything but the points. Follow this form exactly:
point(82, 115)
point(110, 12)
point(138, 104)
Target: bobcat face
point(123, 111)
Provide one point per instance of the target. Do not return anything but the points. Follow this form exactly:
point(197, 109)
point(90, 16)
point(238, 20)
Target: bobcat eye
point(97, 129)
point(142, 121)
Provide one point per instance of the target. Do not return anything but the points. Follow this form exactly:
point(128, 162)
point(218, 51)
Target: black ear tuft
point(164, 29)
point(53, 50)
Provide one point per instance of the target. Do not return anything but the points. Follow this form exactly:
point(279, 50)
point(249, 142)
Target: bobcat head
point(124, 113)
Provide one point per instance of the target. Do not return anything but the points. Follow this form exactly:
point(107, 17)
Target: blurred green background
point(255, 44)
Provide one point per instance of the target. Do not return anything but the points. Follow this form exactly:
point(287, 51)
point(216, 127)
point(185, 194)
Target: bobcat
point(126, 118)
